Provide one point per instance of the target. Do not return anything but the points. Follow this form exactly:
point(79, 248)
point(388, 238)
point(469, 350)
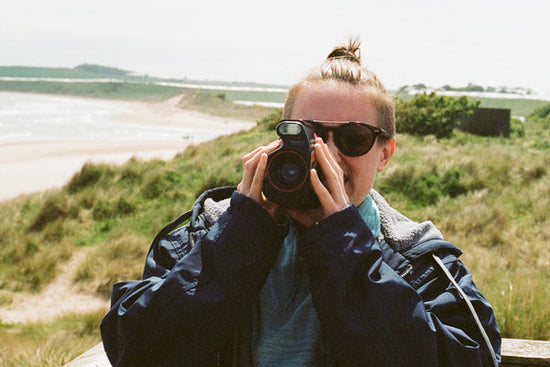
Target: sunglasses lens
point(354, 140)
point(321, 131)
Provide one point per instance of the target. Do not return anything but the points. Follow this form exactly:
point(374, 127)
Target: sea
point(27, 117)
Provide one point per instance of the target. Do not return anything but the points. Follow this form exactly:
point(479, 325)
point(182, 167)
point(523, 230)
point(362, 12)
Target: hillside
point(83, 71)
point(106, 216)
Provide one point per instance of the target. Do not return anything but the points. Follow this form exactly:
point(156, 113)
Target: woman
point(352, 283)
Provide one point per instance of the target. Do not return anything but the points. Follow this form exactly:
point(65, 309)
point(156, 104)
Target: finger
point(332, 170)
point(275, 143)
point(267, 149)
point(334, 176)
point(327, 152)
point(250, 162)
point(258, 181)
point(250, 165)
point(325, 198)
point(251, 154)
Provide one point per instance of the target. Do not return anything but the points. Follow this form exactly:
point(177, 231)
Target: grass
point(48, 344)
point(489, 196)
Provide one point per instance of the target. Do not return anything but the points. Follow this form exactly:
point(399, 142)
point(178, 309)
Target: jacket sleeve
point(184, 310)
point(371, 316)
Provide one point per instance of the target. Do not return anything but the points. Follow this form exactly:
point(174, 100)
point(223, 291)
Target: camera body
point(287, 180)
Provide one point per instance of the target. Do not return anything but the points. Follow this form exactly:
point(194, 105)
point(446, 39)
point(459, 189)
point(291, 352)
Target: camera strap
point(470, 307)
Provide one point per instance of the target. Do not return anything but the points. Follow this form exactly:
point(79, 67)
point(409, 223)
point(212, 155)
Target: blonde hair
point(343, 64)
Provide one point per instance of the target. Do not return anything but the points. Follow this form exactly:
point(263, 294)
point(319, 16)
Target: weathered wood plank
point(521, 352)
point(94, 357)
point(515, 353)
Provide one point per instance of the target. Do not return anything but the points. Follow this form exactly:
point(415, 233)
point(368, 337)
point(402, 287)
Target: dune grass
point(48, 344)
point(489, 196)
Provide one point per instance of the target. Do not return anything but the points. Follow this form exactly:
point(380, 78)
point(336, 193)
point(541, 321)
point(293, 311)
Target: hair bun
point(350, 52)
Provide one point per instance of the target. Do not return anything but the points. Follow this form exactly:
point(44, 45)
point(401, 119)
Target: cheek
point(362, 172)
point(361, 168)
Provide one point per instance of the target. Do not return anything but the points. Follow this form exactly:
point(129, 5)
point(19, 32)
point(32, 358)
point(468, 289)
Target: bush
point(432, 114)
point(517, 128)
point(541, 111)
point(541, 114)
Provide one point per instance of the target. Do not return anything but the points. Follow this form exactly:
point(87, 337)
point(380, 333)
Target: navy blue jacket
point(376, 306)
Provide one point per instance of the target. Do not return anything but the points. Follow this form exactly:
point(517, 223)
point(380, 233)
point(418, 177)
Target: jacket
point(380, 301)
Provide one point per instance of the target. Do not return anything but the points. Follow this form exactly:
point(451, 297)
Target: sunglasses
point(352, 139)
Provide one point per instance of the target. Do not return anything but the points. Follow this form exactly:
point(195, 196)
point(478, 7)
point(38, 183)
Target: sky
point(485, 42)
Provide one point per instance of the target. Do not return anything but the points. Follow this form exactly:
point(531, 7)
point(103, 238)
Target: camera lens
point(287, 171)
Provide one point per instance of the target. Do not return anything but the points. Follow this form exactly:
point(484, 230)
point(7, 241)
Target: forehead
point(334, 101)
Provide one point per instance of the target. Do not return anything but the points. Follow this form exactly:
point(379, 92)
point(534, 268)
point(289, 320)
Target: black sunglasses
point(351, 138)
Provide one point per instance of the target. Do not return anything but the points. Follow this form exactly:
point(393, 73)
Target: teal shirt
point(287, 330)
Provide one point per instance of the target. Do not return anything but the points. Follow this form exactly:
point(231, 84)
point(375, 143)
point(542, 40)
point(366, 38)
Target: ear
point(387, 152)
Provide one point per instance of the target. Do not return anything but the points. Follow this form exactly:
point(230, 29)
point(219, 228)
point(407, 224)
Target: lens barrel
point(287, 175)
point(287, 171)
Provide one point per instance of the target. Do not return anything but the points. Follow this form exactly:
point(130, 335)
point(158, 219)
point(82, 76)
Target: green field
point(489, 196)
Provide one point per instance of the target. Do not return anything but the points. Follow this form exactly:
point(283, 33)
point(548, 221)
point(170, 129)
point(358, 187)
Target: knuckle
point(248, 164)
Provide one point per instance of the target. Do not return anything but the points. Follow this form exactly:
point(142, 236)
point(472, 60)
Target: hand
point(333, 196)
point(252, 183)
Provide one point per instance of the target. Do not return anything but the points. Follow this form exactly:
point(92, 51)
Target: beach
point(31, 166)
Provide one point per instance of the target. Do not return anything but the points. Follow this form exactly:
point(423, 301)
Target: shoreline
point(33, 166)
point(37, 166)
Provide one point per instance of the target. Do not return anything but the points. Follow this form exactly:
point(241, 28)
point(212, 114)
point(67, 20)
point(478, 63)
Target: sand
point(27, 167)
point(59, 297)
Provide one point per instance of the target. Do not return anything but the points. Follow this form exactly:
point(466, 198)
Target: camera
point(287, 180)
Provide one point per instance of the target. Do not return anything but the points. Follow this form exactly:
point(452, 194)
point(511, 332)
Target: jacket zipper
point(407, 271)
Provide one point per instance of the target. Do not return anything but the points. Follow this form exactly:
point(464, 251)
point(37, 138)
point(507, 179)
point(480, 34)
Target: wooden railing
point(515, 353)
point(520, 353)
